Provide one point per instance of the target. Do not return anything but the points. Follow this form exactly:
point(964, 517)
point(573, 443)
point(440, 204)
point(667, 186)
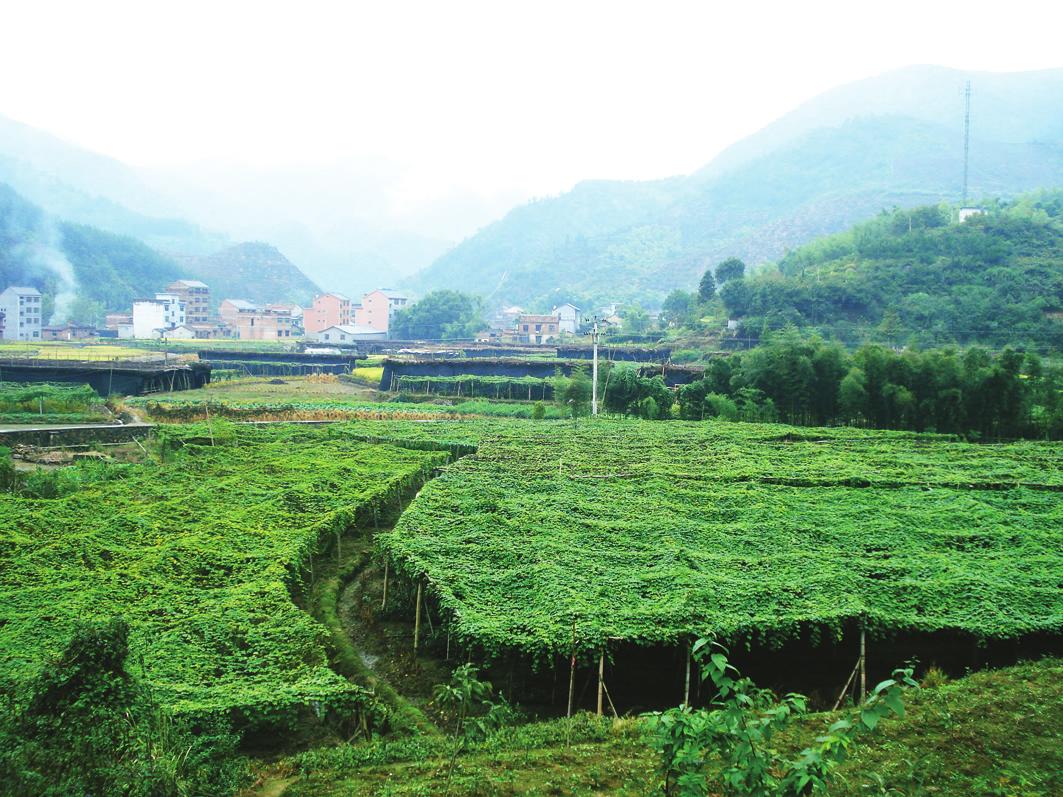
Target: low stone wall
point(77, 435)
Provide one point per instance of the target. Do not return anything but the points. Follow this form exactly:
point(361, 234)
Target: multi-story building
point(21, 308)
point(250, 322)
point(378, 307)
point(196, 296)
point(151, 317)
point(569, 318)
point(537, 328)
point(327, 310)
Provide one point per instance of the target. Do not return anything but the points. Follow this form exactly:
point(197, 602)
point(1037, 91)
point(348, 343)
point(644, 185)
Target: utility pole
point(594, 368)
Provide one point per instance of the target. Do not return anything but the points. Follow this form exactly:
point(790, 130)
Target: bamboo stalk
point(384, 600)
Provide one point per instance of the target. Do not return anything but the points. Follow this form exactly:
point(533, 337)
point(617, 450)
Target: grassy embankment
point(996, 733)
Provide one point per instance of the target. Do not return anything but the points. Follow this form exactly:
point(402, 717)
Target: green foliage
point(740, 729)
point(538, 411)
point(707, 286)
point(469, 385)
point(88, 727)
point(730, 269)
point(808, 381)
point(636, 319)
point(45, 397)
point(202, 555)
point(440, 315)
point(651, 531)
point(912, 275)
point(574, 392)
point(113, 270)
point(679, 309)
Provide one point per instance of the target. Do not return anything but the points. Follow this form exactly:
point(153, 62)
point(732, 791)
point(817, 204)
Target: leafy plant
point(729, 746)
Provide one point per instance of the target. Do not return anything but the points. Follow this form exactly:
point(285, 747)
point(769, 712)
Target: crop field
point(49, 403)
point(200, 555)
point(655, 532)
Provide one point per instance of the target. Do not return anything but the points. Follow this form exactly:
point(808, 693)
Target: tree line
point(808, 381)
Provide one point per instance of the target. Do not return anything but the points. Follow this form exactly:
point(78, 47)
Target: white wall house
point(349, 333)
point(151, 317)
point(22, 313)
point(569, 318)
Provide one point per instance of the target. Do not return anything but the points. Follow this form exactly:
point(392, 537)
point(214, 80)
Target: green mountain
point(66, 261)
point(85, 271)
point(894, 140)
point(995, 278)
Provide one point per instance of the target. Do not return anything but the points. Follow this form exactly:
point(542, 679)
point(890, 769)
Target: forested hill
point(254, 271)
point(95, 270)
point(919, 275)
point(831, 163)
point(92, 271)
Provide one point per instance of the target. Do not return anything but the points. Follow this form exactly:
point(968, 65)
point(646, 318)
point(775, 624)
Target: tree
point(852, 395)
point(707, 286)
point(730, 269)
point(679, 308)
point(636, 319)
point(576, 394)
point(440, 315)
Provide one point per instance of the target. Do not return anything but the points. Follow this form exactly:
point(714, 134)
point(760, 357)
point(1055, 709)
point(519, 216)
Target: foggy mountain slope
point(254, 271)
point(778, 189)
point(68, 261)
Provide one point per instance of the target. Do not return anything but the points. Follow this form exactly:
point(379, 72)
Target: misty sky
point(489, 98)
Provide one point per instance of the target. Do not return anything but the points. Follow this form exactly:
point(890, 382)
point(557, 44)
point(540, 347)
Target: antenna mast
point(966, 137)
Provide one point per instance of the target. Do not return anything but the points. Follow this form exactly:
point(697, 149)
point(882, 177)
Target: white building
point(569, 318)
point(349, 333)
point(152, 317)
point(21, 308)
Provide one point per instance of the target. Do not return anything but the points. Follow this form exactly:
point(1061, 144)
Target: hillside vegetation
point(254, 271)
point(918, 276)
point(834, 161)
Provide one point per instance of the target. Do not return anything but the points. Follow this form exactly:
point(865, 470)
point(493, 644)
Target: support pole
point(417, 619)
point(863, 664)
point(384, 600)
point(572, 672)
point(686, 685)
point(601, 680)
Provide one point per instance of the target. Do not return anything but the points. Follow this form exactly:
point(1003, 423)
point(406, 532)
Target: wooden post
point(572, 672)
point(686, 684)
point(384, 600)
point(417, 619)
point(863, 664)
point(601, 680)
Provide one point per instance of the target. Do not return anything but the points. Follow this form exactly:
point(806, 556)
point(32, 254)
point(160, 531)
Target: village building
point(68, 331)
point(21, 307)
point(196, 298)
point(152, 316)
point(248, 321)
point(327, 310)
point(537, 328)
point(569, 318)
point(378, 308)
point(349, 333)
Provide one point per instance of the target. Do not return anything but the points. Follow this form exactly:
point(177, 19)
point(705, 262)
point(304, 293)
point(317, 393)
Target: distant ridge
point(892, 140)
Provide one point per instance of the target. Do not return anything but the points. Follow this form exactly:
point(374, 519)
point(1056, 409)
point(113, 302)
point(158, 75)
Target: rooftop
point(190, 283)
point(241, 304)
point(23, 291)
